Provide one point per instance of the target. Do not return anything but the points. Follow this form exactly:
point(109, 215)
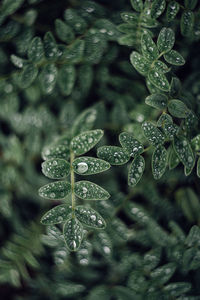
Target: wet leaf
point(137, 5)
point(55, 168)
point(56, 215)
point(174, 58)
point(159, 162)
point(139, 62)
point(73, 233)
point(158, 101)
point(48, 78)
point(149, 48)
point(136, 170)
point(166, 39)
point(86, 141)
point(90, 191)
point(89, 165)
point(36, 50)
point(130, 144)
point(157, 8)
point(55, 190)
point(113, 154)
point(153, 134)
point(184, 151)
point(27, 76)
point(159, 79)
point(172, 10)
point(177, 108)
point(64, 31)
point(89, 217)
point(187, 22)
point(50, 46)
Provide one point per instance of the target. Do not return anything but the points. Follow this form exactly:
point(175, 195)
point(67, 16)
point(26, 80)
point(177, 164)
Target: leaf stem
point(72, 181)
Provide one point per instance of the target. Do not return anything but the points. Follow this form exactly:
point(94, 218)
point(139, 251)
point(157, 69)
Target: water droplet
point(82, 167)
point(93, 217)
point(106, 249)
point(85, 190)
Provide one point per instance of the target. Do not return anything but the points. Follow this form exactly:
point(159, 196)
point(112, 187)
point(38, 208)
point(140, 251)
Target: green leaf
point(48, 78)
point(8, 7)
point(173, 159)
point(55, 190)
point(36, 50)
point(18, 61)
point(157, 8)
point(90, 191)
point(177, 288)
point(165, 40)
point(113, 154)
point(27, 76)
point(139, 63)
point(172, 10)
point(136, 170)
point(190, 4)
point(164, 273)
point(74, 52)
point(64, 31)
point(50, 46)
point(175, 87)
point(127, 28)
point(56, 151)
point(184, 151)
point(72, 18)
point(187, 23)
point(165, 121)
point(89, 217)
point(90, 165)
point(84, 121)
point(195, 143)
point(86, 141)
point(158, 101)
point(149, 48)
point(193, 238)
point(56, 215)
point(160, 66)
point(153, 134)
point(137, 5)
point(130, 144)
point(66, 79)
point(174, 58)
point(104, 244)
point(73, 233)
point(159, 79)
point(55, 168)
point(131, 18)
point(159, 162)
point(198, 167)
point(177, 108)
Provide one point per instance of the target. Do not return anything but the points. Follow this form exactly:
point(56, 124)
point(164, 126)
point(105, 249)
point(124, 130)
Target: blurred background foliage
point(151, 246)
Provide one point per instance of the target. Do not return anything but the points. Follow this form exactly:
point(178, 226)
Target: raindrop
point(82, 167)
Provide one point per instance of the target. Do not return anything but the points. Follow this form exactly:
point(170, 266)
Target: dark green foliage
point(107, 93)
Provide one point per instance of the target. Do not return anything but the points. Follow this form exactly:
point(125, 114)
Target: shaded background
point(33, 263)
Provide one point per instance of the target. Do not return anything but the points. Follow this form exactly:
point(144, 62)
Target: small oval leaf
point(55, 168)
point(177, 108)
point(90, 191)
point(166, 39)
point(158, 101)
point(149, 48)
point(153, 134)
point(139, 63)
point(90, 165)
point(159, 162)
point(86, 141)
point(136, 170)
point(174, 58)
point(130, 144)
point(55, 190)
point(89, 217)
point(56, 151)
point(113, 154)
point(56, 215)
point(73, 233)
point(184, 151)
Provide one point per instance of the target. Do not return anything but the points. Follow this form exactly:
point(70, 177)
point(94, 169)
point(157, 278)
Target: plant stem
point(72, 181)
